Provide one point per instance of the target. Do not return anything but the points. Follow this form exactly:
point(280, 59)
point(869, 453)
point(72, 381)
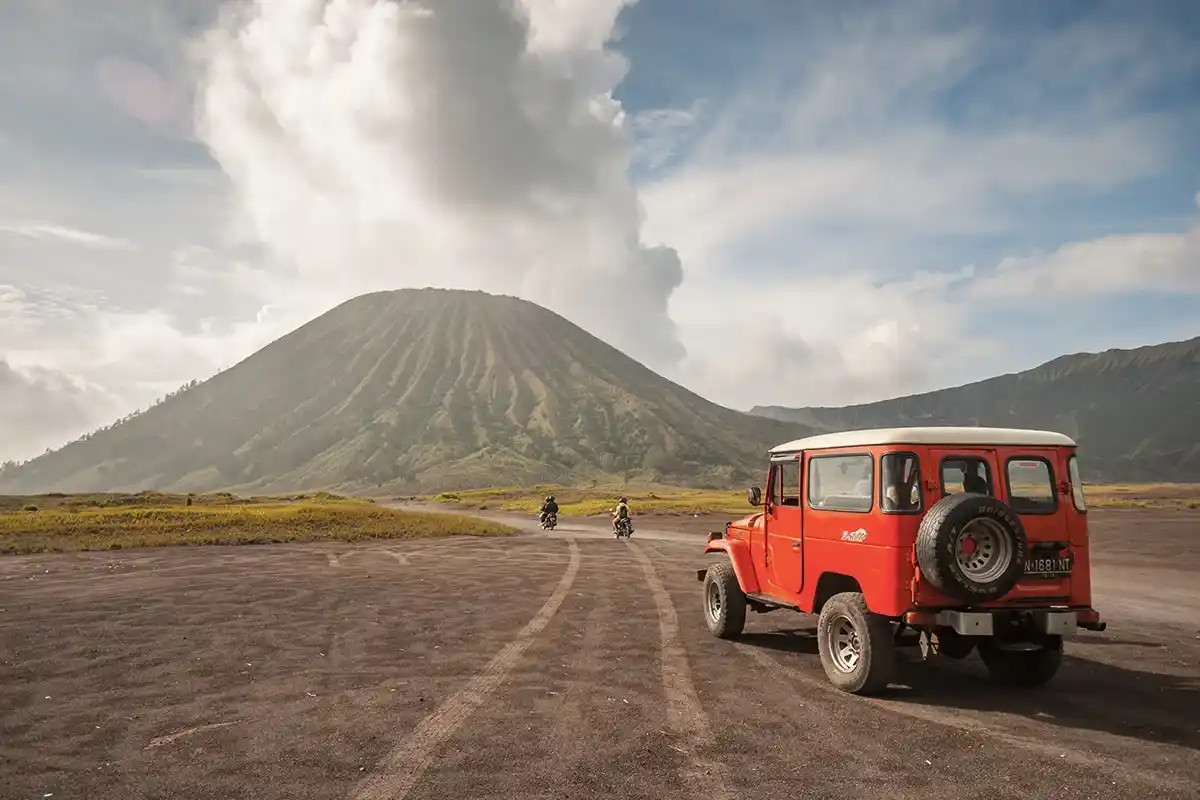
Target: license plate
point(1046, 566)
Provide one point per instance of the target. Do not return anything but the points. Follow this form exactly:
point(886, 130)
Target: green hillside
point(418, 390)
point(1135, 413)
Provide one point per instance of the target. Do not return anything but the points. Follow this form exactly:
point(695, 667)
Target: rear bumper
point(1049, 621)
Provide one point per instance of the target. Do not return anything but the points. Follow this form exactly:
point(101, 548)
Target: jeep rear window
point(841, 483)
point(1031, 486)
point(966, 473)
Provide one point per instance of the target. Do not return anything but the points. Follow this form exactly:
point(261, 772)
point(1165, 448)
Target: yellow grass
point(593, 502)
point(265, 521)
point(1142, 495)
point(76, 502)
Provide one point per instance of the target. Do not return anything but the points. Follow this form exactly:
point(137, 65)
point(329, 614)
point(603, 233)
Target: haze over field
point(767, 202)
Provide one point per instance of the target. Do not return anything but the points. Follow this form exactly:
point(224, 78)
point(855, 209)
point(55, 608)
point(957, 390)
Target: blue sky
point(801, 203)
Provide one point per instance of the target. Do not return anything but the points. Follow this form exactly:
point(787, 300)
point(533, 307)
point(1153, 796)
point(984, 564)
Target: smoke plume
point(379, 144)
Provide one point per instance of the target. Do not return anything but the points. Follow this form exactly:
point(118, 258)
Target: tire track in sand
point(399, 770)
point(685, 716)
point(1051, 749)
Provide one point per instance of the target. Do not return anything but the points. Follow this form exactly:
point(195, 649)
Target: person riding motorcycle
point(548, 507)
point(621, 512)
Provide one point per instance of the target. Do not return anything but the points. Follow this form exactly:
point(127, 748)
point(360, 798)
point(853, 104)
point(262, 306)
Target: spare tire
point(971, 547)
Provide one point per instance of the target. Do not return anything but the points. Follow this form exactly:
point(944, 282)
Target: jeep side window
point(773, 486)
point(900, 483)
point(789, 483)
point(841, 483)
point(966, 474)
point(1076, 485)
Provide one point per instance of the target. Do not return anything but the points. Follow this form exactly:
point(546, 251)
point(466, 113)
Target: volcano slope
point(418, 390)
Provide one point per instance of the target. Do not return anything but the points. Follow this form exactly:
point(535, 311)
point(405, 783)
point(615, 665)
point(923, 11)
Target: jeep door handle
point(795, 545)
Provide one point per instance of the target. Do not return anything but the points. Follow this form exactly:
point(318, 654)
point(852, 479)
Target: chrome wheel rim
point(983, 550)
point(845, 645)
point(714, 602)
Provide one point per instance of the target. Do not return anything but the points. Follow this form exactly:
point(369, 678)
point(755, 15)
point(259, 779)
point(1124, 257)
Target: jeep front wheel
point(857, 647)
point(1022, 667)
point(724, 601)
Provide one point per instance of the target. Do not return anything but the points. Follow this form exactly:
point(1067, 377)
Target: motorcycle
point(549, 521)
point(624, 528)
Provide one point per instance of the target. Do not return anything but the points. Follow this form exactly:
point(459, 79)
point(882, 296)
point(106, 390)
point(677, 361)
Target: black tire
point(938, 537)
point(1022, 669)
point(953, 645)
point(876, 660)
point(724, 601)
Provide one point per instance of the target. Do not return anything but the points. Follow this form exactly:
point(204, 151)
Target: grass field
point(59, 523)
point(674, 501)
point(77, 502)
point(1143, 495)
point(596, 502)
point(62, 523)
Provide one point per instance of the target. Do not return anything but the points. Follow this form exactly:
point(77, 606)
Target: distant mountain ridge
point(418, 390)
point(429, 389)
point(1135, 413)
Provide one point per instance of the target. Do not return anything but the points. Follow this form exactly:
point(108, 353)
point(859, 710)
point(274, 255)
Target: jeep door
point(1025, 481)
point(784, 523)
point(1033, 478)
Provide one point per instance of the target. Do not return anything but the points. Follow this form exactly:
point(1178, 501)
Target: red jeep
point(973, 538)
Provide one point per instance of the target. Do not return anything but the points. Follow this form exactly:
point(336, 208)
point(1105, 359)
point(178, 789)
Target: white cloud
point(922, 179)
point(1155, 262)
point(849, 338)
point(830, 341)
point(658, 133)
point(1110, 265)
point(143, 93)
point(103, 361)
point(570, 28)
point(372, 147)
point(49, 231)
point(42, 408)
point(830, 173)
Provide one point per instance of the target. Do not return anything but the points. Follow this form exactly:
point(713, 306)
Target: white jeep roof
point(932, 435)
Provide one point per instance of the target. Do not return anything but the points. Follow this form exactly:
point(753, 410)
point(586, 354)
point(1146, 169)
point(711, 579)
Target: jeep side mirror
point(754, 496)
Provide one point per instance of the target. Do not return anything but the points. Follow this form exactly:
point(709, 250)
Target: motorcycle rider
point(621, 512)
point(548, 507)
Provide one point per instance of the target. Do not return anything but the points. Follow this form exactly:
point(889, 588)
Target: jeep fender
point(739, 556)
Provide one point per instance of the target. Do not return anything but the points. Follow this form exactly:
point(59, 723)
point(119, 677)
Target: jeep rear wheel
point(857, 647)
point(724, 601)
point(971, 547)
point(1022, 666)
